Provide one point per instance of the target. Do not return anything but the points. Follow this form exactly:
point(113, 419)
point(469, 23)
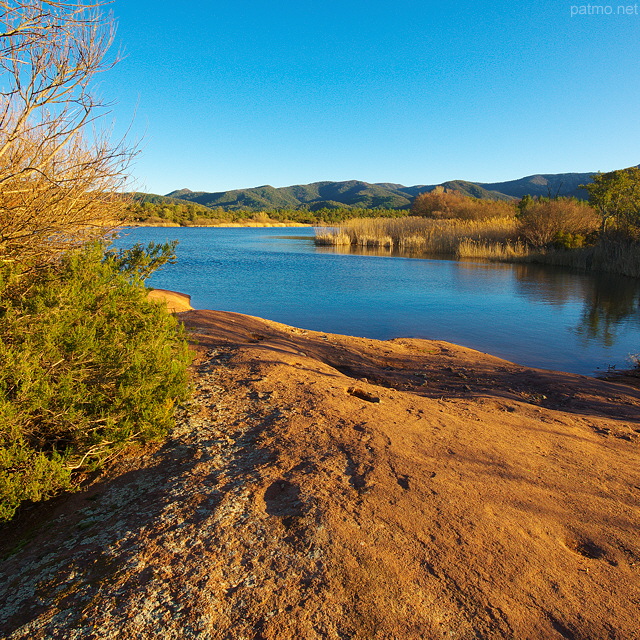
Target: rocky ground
point(322, 486)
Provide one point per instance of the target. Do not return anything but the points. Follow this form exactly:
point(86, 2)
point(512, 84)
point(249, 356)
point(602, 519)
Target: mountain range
point(358, 194)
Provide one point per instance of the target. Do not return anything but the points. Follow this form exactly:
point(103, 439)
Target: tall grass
point(499, 251)
point(609, 256)
point(462, 238)
point(493, 239)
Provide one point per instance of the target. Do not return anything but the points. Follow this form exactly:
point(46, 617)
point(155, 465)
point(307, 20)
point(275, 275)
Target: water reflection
point(552, 285)
point(607, 300)
point(389, 252)
point(610, 303)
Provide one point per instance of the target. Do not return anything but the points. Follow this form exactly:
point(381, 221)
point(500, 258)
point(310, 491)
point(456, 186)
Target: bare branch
point(61, 183)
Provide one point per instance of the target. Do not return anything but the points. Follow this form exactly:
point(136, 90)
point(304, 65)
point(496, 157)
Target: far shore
point(223, 225)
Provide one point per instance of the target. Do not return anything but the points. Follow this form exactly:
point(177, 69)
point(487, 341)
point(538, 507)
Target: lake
point(533, 315)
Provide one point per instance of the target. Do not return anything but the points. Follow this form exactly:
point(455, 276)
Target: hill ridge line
point(378, 195)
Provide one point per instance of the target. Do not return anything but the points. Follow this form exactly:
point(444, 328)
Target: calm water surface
point(532, 315)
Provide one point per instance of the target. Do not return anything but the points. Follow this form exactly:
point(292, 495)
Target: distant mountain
point(563, 184)
point(169, 199)
point(183, 193)
point(476, 191)
point(317, 195)
point(381, 195)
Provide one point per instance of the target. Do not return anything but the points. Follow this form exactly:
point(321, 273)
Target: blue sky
point(238, 94)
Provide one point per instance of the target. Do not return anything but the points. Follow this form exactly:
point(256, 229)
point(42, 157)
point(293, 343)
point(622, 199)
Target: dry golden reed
point(463, 238)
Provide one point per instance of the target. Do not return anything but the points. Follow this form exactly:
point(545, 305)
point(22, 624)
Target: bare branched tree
point(61, 179)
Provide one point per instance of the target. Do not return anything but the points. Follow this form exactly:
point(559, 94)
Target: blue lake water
point(533, 315)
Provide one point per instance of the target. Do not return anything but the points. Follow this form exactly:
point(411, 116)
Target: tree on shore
point(89, 364)
point(60, 177)
point(565, 222)
point(446, 204)
point(616, 197)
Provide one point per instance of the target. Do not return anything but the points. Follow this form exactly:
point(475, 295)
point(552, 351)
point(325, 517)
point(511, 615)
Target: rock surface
point(322, 486)
point(176, 302)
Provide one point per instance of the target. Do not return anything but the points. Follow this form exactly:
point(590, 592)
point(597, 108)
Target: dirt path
point(322, 486)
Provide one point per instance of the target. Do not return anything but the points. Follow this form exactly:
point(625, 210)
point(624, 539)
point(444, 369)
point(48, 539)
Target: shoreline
point(178, 302)
point(226, 225)
point(324, 486)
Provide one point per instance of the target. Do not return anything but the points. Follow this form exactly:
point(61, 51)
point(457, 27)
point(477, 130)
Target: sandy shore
point(325, 486)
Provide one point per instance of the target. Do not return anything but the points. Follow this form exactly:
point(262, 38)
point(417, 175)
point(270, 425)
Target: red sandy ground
point(324, 486)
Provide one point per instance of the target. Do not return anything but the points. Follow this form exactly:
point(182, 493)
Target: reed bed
point(493, 239)
point(622, 258)
point(413, 234)
point(500, 251)
point(331, 236)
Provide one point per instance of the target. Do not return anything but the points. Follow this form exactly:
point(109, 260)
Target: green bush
point(87, 365)
point(567, 240)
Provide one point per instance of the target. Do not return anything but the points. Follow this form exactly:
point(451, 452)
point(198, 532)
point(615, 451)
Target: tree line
point(613, 208)
point(612, 212)
point(156, 210)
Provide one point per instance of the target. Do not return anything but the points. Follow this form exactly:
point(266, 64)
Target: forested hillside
point(384, 195)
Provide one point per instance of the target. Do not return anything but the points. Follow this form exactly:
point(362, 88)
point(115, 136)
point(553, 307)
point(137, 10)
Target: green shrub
point(567, 240)
point(87, 365)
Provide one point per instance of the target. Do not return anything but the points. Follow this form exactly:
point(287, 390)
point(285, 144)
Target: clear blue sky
point(245, 93)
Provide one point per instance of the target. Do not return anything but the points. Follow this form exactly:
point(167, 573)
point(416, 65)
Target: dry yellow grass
point(333, 237)
point(426, 234)
point(607, 256)
point(492, 239)
point(505, 252)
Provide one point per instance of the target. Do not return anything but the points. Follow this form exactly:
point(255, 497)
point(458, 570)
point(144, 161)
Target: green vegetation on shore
point(160, 210)
point(602, 235)
point(88, 365)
